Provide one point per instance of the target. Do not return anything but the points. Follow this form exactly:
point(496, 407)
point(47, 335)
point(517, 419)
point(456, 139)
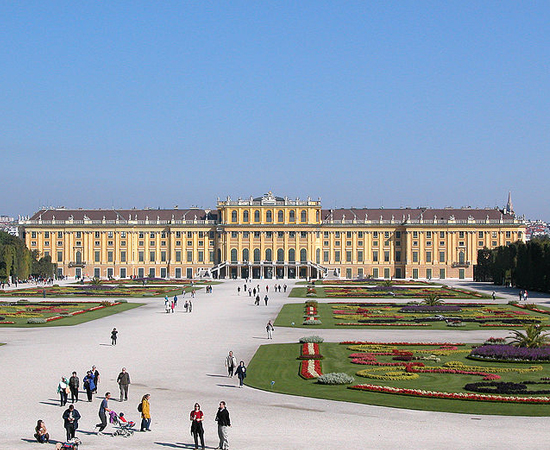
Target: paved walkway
point(178, 359)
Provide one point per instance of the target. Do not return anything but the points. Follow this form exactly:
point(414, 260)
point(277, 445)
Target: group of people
point(72, 385)
point(523, 295)
point(170, 305)
point(235, 369)
point(256, 290)
point(71, 416)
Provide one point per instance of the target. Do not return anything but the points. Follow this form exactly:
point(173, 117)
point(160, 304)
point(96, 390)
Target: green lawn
point(27, 309)
point(292, 315)
point(278, 363)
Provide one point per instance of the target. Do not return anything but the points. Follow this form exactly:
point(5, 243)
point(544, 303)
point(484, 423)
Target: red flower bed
point(415, 368)
point(435, 344)
point(310, 368)
point(310, 351)
point(449, 395)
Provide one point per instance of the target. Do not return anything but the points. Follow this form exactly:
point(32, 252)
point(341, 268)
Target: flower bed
point(310, 368)
point(499, 352)
point(310, 350)
point(449, 395)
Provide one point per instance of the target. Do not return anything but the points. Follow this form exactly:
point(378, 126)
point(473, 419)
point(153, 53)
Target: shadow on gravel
point(176, 445)
point(51, 441)
point(260, 337)
point(227, 385)
point(51, 402)
point(216, 375)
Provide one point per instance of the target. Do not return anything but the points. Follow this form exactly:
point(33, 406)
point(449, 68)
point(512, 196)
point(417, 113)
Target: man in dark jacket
point(74, 384)
point(71, 417)
point(222, 417)
point(123, 381)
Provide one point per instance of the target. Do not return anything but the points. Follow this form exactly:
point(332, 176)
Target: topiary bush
point(335, 378)
point(311, 339)
point(312, 322)
point(36, 320)
point(313, 303)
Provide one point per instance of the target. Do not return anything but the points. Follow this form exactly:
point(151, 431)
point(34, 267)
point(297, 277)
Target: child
point(123, 420)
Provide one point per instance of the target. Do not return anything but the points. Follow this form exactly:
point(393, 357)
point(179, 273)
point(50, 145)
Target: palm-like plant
point(532, 337)
point(432, 300)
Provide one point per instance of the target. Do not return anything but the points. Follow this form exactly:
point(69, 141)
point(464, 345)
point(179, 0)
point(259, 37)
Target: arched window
point(257, 215)
point(303, 216)
point(280, 255)
point(233, 216)
point(461, 257)
point(269, 216)
point(292, 255)
point(78, 257)
point(280, 216)
point(257, 255)
point(303, 255)
point(233, 255)
point(268, 254)
point(291, 216)
point(245, 216)
point(245, 254)
point(318, 256)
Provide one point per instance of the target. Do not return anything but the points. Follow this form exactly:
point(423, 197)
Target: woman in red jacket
point(197, 430)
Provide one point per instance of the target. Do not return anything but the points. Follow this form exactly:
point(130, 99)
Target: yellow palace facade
point(269, 237)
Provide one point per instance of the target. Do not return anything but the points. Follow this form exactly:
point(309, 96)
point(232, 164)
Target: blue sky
point(360, 103)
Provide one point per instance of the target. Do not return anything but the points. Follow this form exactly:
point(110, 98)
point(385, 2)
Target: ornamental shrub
point(311, 339)
point(335, 378)
point(313, 303)
point(36, 320)
point(106, 303)
point(122, 300)
point(312, 322)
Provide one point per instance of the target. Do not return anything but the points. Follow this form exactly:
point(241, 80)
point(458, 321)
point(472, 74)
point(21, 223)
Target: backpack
point(140, 407)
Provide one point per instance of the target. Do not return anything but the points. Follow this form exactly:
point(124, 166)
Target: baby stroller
point(69, 445)
point(123, 427)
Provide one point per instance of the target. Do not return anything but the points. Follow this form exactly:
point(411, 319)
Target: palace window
point(292, 255)
point(508, 235)
point(428, 257)
point(97, 243)
point(360, 235)
point(480, 234)
point(359, 255)
point(292, 234)
point(233, 216)
point(201, 256)
point(269, 234)
point(233, 255)
point(325, 256)
point(96, 234)
point(325, 234)
point(441, 234)
point(281, 216)
point(59, 256)
point(59, 234)
point(234, 234)
point(123, 243)
point(110, 235)
point(386, 256)
point(163, 256)
point(291, 216)
point(415, 234)
point(246, 234)
point(151, 243)
point(337, 243)
point(348, 234)
point(441, 257)
point(201, 243)
point(280, 234)
point(256, 216)
point(178, 255)
point(442, 243)
point(375, 234)
point(428, 243)
point(375, 256)
point(246, 255)
point(189, 256)
point(386, 234)
point(337, 235)
point(152, 256)
point(280, 255)
point(461, 235)
point(415, 257)
point(268, 254)
point(141, 256)
point(110, 256)
point(141, 235)
point(348, 256)
point(152, 235)
point(375, 243)
point(178, 234)
point(269, 216)
point(303, 234)
point(360, 243)
point(46, 243)
point(60, 243)
point(337, 256)
point(428, 234)
point(257, 255)
point(398, 256)
point(245, 215)
point(398, 235)
point(79, 234)
point(461, 243)
point(303, 216)
point(480, 243)
point(96, 257)
point(110, 243)
point(257, 234)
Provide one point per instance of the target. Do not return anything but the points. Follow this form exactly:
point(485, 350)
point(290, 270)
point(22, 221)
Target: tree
point(533, 337)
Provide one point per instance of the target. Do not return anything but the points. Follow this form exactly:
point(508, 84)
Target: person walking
point(70, 421)
point(123, 381)
point(241, 373)
point(89, 385)
point(257, 301)
point(63, 390)
point(74, 384)
point(103, 410)
point(113, 336)
point(266, 299)
point(224, 422)
point(197, 429)
point(230, 363)
point(95, 373)
point(145, 413)
point(269, 328)
point(494, 295)
point(190, 306)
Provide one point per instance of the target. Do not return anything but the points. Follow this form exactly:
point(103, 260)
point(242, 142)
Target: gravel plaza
point(179, 359)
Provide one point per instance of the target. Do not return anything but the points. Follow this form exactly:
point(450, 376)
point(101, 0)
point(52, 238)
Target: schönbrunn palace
point(269, 237)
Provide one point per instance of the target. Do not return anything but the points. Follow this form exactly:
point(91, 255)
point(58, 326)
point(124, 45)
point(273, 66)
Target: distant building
point(270, 237)
point(536, 228)
point(9, 225)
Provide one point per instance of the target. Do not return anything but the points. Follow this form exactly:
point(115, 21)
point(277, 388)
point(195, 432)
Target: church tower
point(509, 206)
